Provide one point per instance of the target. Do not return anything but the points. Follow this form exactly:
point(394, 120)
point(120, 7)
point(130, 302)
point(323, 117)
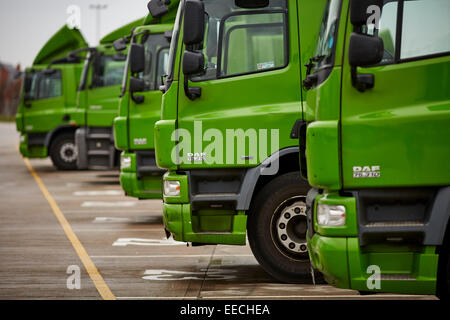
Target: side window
point(49, 85)
point(162, 66)
point(156, 61)
point(108, 71)
point(242, 41)
point(253, 43)
point(426, 28)
point(388, 30)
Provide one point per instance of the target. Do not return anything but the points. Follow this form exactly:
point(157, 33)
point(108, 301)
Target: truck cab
point(49, 99)
point(376, 146)
point(140, 105)
point(98, 98)
point(228, 133)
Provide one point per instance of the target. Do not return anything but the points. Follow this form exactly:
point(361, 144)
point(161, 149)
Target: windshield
point(326, 45)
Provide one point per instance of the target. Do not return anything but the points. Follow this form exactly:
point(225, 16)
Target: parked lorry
point(49, 97)
point(228, 132)
point(376, 143)
point(98, 97)
point(72, 86)
point(140, 105)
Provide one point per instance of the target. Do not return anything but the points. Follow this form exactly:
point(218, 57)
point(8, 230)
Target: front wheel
point(277, 229)
point(63, 152)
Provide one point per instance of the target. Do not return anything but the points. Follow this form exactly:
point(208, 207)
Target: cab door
point(397, 134)
point(44, 103)
point(251, 83)
point(143, 116)
point(104, 89)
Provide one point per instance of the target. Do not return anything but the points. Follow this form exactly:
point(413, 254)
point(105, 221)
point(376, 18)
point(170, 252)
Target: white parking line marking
point(111, 220)
point(98, 193)
point(112, 204)
point(144, 219)
point(201, 275)
point(123, 242)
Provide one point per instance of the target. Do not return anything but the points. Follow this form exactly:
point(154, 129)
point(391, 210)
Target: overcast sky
point(26, 25)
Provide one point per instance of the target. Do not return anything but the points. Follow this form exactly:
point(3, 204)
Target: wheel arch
point(255, 180)
point(438, 228)
point(50, 137)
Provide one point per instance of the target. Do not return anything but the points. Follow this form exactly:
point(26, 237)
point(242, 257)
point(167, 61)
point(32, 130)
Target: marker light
point(330, 215)
point(172, 188)
point(125, 162)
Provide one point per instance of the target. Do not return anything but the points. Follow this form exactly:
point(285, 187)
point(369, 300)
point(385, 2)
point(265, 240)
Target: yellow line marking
point(92, 270)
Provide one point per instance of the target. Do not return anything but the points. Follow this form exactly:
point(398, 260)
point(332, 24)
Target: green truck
point(376, 145)
point(49, 97)
point(140, 104)
point(71, 88)
point(228, 130)
point(98, 96)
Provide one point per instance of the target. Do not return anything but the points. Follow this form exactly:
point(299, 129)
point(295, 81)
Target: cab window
point(241, 41)
point(49, 85)
point(424, 28)
point(108, 70)
point(156, 60)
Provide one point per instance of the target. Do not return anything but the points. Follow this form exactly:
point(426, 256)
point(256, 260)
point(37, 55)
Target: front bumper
point(204, 226)
point(147, 187)
point(32, 150)
point(337, 254)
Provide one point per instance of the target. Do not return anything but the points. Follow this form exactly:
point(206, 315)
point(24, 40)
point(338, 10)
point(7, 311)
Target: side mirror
point(158, 8)
point(365, 50)
point(136, 85)
point(193, 63)
point(120, 45)
point(251, 4)
point(137, 58)
point(194, 22)
point(359, 10)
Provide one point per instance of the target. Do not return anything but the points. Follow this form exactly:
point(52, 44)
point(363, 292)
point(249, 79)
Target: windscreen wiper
point(310, 79)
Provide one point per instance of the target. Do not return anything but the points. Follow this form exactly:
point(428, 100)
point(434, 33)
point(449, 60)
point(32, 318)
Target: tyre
point(63, 152)
point(277, 229)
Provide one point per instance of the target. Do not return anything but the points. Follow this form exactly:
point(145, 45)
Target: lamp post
point(98, 8)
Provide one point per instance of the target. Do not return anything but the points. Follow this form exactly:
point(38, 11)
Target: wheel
point(63, 152)
point(443, 285)
point(277, 229)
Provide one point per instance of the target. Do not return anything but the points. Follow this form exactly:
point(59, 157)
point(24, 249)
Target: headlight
point(172, 188)
point(22, 138)
point(125, 162)
point(330, 215)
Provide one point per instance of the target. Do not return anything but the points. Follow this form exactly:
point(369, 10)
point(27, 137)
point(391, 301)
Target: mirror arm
point(192, 93)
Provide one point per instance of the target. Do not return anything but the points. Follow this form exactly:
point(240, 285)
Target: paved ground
point(122, 237)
